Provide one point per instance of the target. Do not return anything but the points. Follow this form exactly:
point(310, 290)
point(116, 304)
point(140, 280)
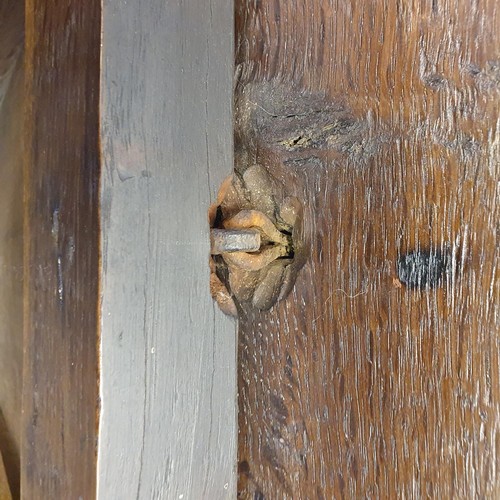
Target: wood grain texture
point(60, 400)
point(357, 385)
point(168, 356)
point(11, 235)
point(4, 484)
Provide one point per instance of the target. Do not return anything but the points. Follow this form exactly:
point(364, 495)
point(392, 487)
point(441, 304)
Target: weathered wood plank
point(11, 234)
point(58, 455)
point(360, 385)
point(168, 375)
point(4, 484)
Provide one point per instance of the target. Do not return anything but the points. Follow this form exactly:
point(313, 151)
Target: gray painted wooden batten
point(168, 356)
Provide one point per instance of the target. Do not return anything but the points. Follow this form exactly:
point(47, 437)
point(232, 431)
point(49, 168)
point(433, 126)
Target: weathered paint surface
point(168, 356)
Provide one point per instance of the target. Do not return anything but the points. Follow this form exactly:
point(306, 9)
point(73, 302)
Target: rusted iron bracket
point(255, 234)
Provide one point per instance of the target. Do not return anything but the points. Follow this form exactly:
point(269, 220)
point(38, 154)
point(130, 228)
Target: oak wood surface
point(60, 403)
point(382, 117)
point(11, 235)
point(168, 372)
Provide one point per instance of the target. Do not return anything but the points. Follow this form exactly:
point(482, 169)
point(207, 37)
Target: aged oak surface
point(11, 235)
point(60, 403)
point(379, 376)
point(168, 370)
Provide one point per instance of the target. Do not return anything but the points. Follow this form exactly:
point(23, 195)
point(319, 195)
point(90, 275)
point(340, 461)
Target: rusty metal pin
point(234, 240)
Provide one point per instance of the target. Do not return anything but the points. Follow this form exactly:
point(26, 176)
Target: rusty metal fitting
point(234, 240)
point(255, 242)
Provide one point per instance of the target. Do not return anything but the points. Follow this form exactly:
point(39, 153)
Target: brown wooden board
point(4, 484)
point(378, 377)
point(61, 249)
point(11, 234)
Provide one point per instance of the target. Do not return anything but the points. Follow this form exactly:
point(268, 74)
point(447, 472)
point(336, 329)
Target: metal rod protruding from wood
point(234, 240)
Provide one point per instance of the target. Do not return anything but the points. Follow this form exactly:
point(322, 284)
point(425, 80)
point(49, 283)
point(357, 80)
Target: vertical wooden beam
point(378, 377)
point(168, 379)
point(11, 235)
point(61, 249)
point(4, 484)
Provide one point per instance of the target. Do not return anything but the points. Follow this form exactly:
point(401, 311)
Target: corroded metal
point(234, 240)
point(243, 274)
